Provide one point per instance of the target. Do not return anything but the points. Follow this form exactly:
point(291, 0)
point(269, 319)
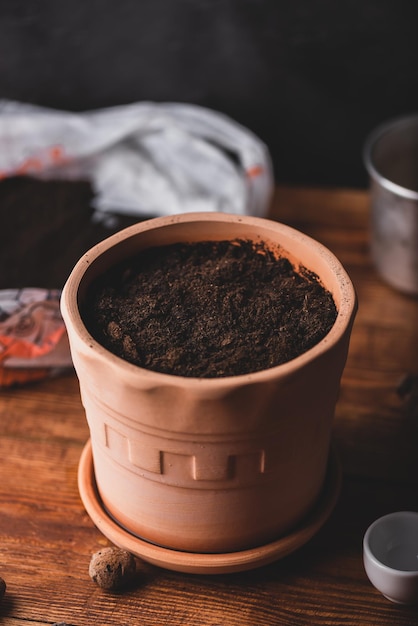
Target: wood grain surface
point(47, 539)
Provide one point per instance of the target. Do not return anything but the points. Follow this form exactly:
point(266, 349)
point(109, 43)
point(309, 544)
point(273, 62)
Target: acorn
point(112, 568)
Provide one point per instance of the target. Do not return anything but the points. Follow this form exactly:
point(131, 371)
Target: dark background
point(311, 78)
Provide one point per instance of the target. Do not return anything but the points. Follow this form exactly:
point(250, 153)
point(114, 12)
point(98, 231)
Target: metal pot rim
point(372, 139)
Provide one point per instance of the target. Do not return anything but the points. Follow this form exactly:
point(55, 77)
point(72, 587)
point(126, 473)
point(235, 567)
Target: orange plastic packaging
point(33, 338)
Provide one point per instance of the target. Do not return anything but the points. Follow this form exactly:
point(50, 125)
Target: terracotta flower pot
point(207, 466)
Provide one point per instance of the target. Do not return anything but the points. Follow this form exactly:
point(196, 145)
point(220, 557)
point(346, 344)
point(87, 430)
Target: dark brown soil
point(45, 227)
point(209, 309)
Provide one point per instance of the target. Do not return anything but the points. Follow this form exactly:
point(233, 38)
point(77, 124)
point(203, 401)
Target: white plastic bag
point(145, 158)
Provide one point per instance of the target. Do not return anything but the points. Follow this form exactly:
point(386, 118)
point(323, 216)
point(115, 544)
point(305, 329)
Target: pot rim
point(376, 135)
point(71, 314)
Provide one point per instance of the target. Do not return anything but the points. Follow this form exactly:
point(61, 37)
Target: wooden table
point(47, 539)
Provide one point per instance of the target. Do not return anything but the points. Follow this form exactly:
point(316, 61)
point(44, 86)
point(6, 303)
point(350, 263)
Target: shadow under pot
point(208, 473)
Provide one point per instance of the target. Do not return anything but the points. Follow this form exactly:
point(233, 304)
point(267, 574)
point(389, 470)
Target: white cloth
point(144, 158)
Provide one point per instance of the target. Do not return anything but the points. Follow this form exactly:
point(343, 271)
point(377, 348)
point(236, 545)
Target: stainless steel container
point(391, 158)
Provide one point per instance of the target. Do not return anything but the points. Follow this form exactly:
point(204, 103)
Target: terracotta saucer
point(198, 563)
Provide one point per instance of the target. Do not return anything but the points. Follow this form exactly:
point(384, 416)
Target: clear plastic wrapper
point(144, 159)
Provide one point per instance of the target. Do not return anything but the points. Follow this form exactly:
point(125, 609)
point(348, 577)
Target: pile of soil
point(46, 226)
point(209, 309)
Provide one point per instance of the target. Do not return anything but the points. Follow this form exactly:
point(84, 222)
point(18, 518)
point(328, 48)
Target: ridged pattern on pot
point(216, 460)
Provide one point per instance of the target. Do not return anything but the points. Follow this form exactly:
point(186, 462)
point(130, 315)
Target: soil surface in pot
point(208, 309)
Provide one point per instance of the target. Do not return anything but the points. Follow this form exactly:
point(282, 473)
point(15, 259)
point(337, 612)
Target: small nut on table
point(112, 568)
